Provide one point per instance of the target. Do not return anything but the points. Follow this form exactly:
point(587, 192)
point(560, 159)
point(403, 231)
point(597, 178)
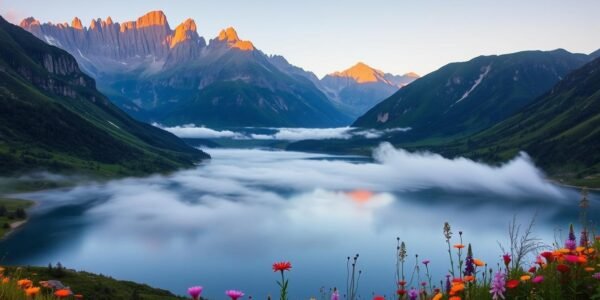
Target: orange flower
point(24, 283)
point(32, 291)
point(454, 298)
point(589, 269)
point(437, 296)
point(478, 262)
point(5, 280)
point(459, 246)
point(62, 293)
point(525, 277)
point(457, 288)
point(469, 278)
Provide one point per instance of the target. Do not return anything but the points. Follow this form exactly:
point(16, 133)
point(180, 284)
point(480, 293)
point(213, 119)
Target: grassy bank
point(12, 212)
point(90, 286)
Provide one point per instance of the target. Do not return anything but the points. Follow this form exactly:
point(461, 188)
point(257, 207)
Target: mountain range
point(175, 77)
point(462, 98)
point(360, 87)
point(54, 119)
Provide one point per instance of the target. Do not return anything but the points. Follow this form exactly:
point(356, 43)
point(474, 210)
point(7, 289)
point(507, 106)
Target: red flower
point(402, 283)
point(532, 269)
point(282, 266)
point(401, 292)
point(563, 268)
point(378, 298)
point(513, 283)
point(506, 258)
point(549, 256)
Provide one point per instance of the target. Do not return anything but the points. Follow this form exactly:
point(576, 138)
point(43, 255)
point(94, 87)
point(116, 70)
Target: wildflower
point(532, 269)
point(426, 262)
point(448, 285)
point(195, 292)
point(459, 246)
point(506, 258)
point(401, 292)
point(413, 294)
point(454, 298)
point(596, 275)
point(64, 293)
point(282, 266)
point(498, 288)
point(234, 295)
point(571, 233)
point(513, 283)
point(378, 298)
point(549, 256)
point(469, 278)
point(335, 295)
point(525, 277)
point(469, 264)
point(458, 287)
point(5, 280)
point(437, 296)
point(563, 268)
point(402, 283)
point(589, 269)
point(538, 279)
point(32, 291)
point(478, 262)
point(423, 284)
point(571, 245)
point(571, 258)
point(24, 283)
point(447, 231)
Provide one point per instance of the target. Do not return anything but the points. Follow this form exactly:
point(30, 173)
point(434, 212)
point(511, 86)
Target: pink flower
point(195, 292)
point(538, 279)
point(426, 262)
point(571, 258)
point(234, 295)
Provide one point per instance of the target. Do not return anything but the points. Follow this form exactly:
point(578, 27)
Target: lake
point(223, 224)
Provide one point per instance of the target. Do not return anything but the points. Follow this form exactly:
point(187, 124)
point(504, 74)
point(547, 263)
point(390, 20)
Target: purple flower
point(572, 234)
point(570, 244)
point(413, 294)
point(448, 284)
point(335, 295)
point(596, 275)
point(195, 292)
point(426, 262)
point(234, 295)
point(583, 240)
point(498, 288)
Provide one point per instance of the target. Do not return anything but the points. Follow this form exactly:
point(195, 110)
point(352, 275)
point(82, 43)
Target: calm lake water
point(224, 223)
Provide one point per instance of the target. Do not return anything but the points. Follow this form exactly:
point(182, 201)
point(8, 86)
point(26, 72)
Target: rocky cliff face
point(106, 46)
point(172, 76)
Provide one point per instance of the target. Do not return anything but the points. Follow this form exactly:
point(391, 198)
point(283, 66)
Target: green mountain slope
point(53, 118)
point(463, 98)
point(560, 130)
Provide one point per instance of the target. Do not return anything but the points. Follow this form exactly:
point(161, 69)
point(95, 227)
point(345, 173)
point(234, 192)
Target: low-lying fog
point(222, 224)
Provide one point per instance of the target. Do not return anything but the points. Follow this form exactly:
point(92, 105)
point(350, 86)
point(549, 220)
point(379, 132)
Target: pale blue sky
point(396, 36)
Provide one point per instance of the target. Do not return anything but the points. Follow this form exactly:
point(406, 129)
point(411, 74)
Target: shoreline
point(16, 224)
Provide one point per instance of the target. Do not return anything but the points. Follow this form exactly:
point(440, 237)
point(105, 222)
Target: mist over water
point(223, 223)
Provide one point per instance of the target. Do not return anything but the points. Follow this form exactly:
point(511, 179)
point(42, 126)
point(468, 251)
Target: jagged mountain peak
point(184, 32)
point(231, 38)
point(28, 22)
point(153, 18)
point(76, 23)
point(361, 73)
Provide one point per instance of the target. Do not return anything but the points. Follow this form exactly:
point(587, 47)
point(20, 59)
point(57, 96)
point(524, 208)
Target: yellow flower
point(579, 249)
point(437, 296)
point(525, 277)
point(32, 291)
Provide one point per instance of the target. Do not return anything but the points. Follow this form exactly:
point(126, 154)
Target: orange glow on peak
point(361, 196)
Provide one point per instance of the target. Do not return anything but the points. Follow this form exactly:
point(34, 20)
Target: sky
point(323, 36)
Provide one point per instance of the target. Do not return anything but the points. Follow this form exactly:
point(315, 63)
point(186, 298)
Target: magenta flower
point(413, 294)
point(195, 292)
point(538, 279)
point(426, 262)
point(234, 295)
point(335, 295)
point(498, 288)
point(596, 275)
